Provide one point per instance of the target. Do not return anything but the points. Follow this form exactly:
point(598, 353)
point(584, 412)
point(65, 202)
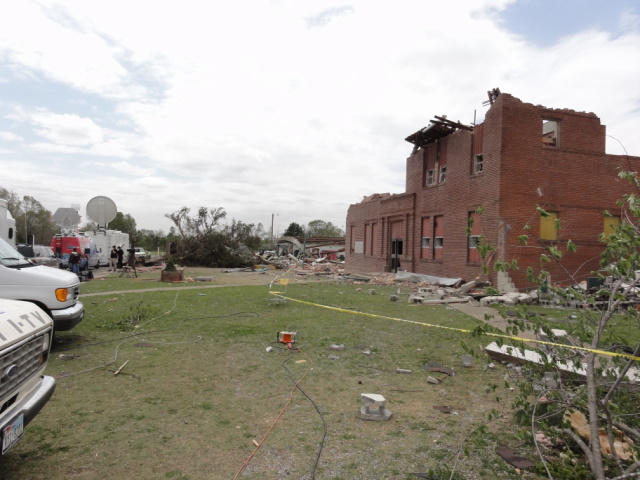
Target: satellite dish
point(66, 218)
point(101, 210)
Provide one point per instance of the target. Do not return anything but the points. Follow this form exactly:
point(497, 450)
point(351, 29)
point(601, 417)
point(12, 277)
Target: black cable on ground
point(324, 423)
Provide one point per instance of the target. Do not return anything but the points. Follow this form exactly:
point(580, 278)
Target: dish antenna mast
point(101, 210)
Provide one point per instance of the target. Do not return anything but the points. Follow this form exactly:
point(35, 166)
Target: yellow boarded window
point(548, 226)
point(610, 225)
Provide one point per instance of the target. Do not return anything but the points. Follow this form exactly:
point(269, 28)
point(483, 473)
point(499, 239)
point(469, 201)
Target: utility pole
point(272, 215)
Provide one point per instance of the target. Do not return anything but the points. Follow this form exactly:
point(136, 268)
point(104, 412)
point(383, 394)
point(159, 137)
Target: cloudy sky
point(288, 108)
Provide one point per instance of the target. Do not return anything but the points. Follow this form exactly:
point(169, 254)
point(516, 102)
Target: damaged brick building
point(520, 157)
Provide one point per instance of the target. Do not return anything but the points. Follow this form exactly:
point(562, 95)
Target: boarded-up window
point(367, 239)
point(374, 239)
point(425, 248)
point(610, 225)
point(397, 229)
point(438, 236)
point(475, 230)
point(549, 225)
point(478, 131)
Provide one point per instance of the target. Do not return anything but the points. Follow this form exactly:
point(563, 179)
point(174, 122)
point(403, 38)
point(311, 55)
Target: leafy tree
point(294, 230)
point(206, 221)
point(204, 241)
point(605, 323)
point(240, 233)
point(90, 226)
point(14, 204)
point(151, 239)
point(31, 215)
point(320, 228)
point(124, 223)
point(39, 221)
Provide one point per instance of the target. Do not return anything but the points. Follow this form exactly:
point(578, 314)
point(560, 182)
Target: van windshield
point(10, 257)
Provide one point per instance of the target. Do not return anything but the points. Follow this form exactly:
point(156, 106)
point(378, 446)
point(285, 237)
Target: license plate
point(11, 433)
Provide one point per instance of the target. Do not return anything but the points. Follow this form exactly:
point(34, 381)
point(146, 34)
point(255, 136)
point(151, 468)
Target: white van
point(26, 332)
point(105, 239)
point(53, 290)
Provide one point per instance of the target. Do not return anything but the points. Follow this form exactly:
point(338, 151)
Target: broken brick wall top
point(531, 156)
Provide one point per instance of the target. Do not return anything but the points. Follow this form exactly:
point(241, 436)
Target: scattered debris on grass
point(120, 369)
point(621, 443)
point(509, 456)
point(436, 367)
point(374, 407)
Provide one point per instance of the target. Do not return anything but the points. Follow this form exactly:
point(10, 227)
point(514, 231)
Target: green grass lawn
point(198, 387)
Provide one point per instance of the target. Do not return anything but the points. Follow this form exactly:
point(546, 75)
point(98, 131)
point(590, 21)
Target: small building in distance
point(487, 180)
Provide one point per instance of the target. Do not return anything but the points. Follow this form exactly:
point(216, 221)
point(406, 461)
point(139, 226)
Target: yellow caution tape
point(462, 330)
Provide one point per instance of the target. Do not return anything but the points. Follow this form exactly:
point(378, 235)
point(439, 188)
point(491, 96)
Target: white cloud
point(65, 129)
point(293, 108)
point(10, 137)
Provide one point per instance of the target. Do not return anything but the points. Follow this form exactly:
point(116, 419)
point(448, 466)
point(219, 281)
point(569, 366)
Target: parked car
point(39, 254)
point(140, 255)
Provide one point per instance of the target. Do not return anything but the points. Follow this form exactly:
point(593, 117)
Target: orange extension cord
point(284, 409)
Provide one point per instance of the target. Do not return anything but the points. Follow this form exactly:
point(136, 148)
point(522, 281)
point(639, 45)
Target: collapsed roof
point(439, 128)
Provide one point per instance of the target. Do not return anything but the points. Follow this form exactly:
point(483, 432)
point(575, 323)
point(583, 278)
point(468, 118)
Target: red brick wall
point(577, 180)
point(519, 173)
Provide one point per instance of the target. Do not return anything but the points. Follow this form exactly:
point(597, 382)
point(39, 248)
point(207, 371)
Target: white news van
point(105, 239)
point(53, 290)
point(25, 339)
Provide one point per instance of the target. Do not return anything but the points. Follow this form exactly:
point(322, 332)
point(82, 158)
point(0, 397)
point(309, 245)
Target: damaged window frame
point(443, 174)
point(438, 242)
point(429, 178)
point(426, 242)
point(551, 132)
point(478, 163)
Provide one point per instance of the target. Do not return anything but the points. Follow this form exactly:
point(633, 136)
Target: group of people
point(74, 260)
point(116, 258)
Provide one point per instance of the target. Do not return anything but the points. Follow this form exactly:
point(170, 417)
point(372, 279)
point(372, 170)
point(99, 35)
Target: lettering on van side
point(25, 318)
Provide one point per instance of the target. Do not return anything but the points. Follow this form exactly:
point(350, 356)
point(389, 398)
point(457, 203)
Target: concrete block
point(374, 407)
point(467, 361)
point(415, 298)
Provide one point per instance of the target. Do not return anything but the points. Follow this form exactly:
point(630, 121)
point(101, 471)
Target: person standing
point(120, 256)
point(113, 258)
point(74, 261)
